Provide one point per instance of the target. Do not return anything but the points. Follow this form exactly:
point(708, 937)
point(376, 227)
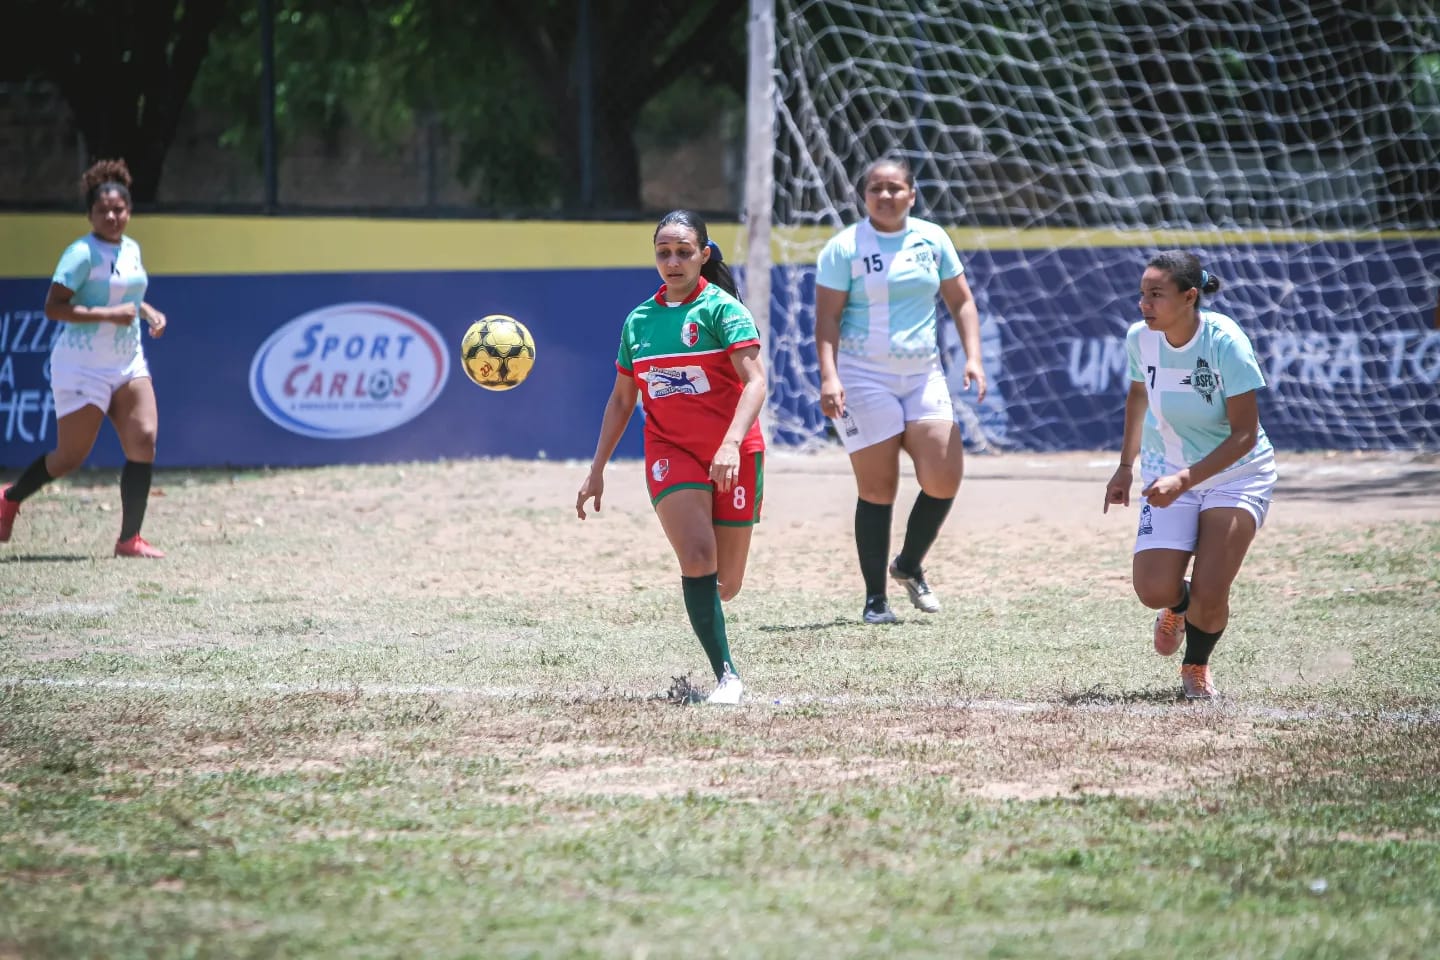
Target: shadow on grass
point(1407, 484)
point(1097, 696)
point(108, 478)
point(45, 558)
point(815, 627)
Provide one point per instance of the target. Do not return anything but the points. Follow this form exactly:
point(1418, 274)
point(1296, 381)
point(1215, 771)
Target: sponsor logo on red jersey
point(669, 381)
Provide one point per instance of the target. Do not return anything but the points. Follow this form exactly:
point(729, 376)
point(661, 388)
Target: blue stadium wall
point(316, 341)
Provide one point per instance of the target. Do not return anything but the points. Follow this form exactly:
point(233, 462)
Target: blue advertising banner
point(344, 368)
point(348, 353)
point(1345, 332)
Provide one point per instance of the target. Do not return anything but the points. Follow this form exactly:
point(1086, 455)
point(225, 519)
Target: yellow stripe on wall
point(30, 244)
point(968, 240)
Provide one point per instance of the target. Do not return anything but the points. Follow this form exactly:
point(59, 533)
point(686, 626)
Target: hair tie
point(715, 255)
point(1204, 279)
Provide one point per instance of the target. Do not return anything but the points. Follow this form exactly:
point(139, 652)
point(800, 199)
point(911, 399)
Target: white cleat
point(917, 588)
point(730, 690)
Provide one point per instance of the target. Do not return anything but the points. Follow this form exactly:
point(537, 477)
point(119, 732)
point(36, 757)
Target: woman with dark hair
point(881, 382)
point(691, 354)
point(1207, 470)
point(97, 365)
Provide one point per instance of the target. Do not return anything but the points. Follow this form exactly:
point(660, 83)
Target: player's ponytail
point(1184, 268)
point(715, 270)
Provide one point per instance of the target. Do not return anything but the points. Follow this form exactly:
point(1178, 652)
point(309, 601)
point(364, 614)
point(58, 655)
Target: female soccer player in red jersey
point(691, 353)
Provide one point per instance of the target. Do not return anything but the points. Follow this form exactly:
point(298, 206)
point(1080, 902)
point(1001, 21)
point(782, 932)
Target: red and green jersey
point(680, 358)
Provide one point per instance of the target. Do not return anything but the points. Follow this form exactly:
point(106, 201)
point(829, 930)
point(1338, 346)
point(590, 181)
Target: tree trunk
point(128, 80)
point(617, 162)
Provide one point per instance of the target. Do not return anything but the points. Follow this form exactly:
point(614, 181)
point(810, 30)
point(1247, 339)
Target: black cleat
point(877, 610)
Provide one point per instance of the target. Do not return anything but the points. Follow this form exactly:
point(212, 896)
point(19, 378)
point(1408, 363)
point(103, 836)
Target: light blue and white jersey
point(1187, 388)
point(890, 281)
point(102, 274)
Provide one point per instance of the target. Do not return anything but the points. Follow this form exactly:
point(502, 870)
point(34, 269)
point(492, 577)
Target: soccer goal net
point(1294, 146)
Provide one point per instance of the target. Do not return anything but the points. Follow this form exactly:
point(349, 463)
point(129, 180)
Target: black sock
point(1184, 603)
point(1199, 644)
point(872, 541)
point(921, 529)
point(34, 477)
point(134, 494)
point(707, 618)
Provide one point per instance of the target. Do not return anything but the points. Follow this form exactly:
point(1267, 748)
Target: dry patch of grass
point(651, 749)
point(294, 730)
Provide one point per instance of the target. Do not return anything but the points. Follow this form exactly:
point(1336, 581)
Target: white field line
point(1226, 706)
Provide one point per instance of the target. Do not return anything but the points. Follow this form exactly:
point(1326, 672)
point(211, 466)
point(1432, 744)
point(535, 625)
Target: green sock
point(702, 602)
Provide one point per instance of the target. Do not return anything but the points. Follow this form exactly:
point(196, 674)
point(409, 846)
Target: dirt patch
point(1321, 666)
point(1036, 516)
point(518, 753)
point(971, 753)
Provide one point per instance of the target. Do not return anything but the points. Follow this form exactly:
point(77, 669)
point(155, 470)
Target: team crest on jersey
point(669, 381)
point(1146, 528)
point(690, 334)
point(660, 469)
point(923, 257)
point(1204, 379)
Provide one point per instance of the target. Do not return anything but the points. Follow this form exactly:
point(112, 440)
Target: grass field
point(416, 710)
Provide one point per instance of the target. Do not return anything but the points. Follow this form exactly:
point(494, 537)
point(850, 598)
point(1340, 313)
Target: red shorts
point(668, 469)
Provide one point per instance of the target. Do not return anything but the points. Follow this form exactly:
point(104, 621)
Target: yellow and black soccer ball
point(497, 352)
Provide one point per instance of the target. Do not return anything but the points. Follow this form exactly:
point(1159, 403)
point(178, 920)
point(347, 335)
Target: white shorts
point(76, 387)
point(1177, 527)
point(878, 403)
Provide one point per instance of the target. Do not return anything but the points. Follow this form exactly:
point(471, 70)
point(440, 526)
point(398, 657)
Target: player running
point(692, 355)
point(97, 365)
point(1207, 469)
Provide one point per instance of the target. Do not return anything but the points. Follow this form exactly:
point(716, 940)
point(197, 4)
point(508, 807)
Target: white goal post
point(1294, 145)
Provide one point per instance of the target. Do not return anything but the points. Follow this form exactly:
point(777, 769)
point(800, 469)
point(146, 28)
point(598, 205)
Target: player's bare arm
point(961, 303)
point(1117, 491)
point(725, 465)
point(618, 410)
point(1243, 412)
point(828, 306)
point(154, 319)
point(58, 307)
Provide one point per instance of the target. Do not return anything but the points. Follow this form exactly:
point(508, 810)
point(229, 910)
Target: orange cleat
point(1169, 631)
point(137, 547)
point(8, 509)
point(1195, 677)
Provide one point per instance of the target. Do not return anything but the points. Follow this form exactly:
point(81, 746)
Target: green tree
point(125, 67)
point(501, 79)
point(638, 48)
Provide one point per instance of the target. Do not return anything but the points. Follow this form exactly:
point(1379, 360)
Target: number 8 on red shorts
point(669, 468)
